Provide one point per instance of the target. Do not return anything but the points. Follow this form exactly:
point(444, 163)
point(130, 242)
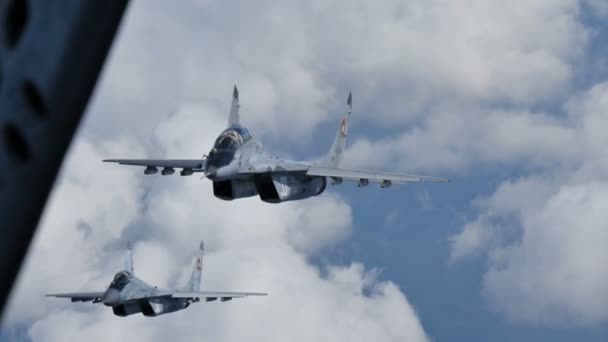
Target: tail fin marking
point(194, 283)
point(334, 156)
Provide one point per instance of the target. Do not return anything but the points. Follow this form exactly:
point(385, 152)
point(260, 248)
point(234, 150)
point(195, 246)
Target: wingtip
point(202, 246)
point(235, 92)
point(349, 101)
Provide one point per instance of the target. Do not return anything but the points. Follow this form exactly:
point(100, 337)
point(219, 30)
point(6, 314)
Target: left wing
point(80, 296)
point(211, 295)
point(363, 177)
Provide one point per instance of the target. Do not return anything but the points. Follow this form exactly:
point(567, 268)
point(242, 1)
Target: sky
point(508, 99)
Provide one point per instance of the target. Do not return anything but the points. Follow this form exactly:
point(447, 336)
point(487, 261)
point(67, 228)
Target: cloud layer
point(544, 234)
point(449, 86)
point(295, 60)
point(253, 246)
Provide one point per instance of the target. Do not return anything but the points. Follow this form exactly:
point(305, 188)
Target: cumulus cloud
point(544, 234)
point(458, 84)
point(556, 272)
point(252, 246)
point(294, 61)
point(455, 142)
point(87, 209)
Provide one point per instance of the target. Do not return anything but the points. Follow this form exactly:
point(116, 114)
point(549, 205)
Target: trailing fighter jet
point(128, 295)
point(239, 166)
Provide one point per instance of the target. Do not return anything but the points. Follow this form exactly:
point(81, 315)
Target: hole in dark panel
point(16, 20)
point(15, 142)
point(34, 98)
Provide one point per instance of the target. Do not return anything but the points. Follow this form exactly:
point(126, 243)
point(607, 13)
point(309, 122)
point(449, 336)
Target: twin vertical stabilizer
point(335, 154)
point(233, 118)
point(129, 259)
point(194, 283)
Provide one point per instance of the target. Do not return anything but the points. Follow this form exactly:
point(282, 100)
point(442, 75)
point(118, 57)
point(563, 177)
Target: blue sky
point(508, 100)
point(414, 252)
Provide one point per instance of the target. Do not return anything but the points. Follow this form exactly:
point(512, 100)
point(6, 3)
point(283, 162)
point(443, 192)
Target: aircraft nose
point(111, 297)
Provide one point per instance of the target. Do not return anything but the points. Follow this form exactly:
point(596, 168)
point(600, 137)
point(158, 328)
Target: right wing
point(188, 165)
point(96, 297)
point(371, 176)
point(212, 295)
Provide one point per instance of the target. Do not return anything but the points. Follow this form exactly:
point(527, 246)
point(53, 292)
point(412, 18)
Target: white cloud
point(544, 235)
point(302, 307)
point(556, 273)
point(456, 142)
point(445, 62)
point(473, 237)
point(89, 194)
point(552, 271)
point(252, 246)
point(295, 60)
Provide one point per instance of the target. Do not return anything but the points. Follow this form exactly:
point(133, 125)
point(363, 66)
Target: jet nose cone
point(111, 297)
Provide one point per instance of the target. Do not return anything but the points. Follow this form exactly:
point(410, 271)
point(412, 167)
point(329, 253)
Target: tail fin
point(194, 283)
point(233, 118)
point(129, 259)
point(334, 156)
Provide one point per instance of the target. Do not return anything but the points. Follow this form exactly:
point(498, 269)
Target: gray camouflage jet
point(239, 166)
point(128, 295)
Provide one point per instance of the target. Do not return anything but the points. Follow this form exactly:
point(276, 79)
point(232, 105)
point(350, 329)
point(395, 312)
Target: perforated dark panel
point(51, 53)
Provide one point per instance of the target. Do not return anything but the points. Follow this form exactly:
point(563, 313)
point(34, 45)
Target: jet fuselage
point(125, 295)
point(239, 167)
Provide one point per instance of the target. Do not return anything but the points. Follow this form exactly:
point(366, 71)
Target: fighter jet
point(128, 295)
point(239, 166)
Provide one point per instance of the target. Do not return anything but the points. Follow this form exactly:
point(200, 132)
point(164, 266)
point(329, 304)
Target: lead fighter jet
point(128, 295)
point(239, 166)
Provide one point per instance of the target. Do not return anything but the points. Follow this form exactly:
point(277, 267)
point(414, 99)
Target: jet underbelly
point(126, 309)
point(235, 188)
point(160, 306)
point(281, 187)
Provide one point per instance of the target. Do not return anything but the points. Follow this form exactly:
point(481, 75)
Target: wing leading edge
point(385, 178)
point(188, 166)
point(96, 297)
point(211, 295)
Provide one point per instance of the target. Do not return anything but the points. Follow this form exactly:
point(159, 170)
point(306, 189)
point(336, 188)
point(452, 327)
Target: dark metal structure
point(51, 53)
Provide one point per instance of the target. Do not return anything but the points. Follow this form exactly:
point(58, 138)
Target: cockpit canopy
point(120, 280)
point(231, 138)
